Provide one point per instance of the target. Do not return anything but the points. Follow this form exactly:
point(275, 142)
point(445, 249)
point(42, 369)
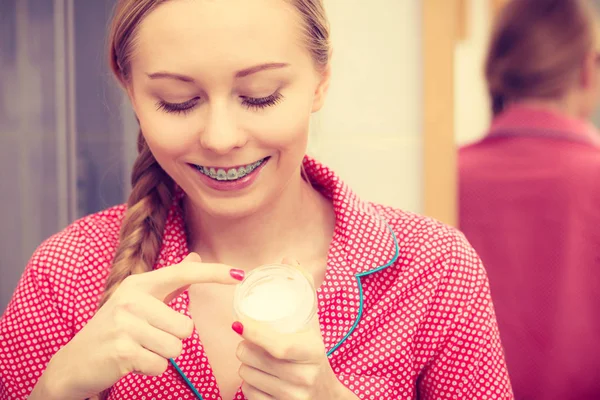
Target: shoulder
point(414, 229)
point(437, 272)
point(428, 247)
point(80, 254)
point(472, 147)
point(101, 230)
point(470, 156)
point(93, 234)
point(582, 157)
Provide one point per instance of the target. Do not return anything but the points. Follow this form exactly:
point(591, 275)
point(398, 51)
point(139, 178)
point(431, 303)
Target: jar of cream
point(278, 295)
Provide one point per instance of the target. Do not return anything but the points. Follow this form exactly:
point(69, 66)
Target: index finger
point(162, 282)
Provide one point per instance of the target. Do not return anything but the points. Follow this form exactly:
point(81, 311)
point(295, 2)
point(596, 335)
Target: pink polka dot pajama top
point(405, 308)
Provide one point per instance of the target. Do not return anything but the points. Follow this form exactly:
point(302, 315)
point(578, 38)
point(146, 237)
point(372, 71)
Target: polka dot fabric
point(427, 328)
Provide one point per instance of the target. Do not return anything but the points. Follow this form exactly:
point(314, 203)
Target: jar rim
point(254, 278)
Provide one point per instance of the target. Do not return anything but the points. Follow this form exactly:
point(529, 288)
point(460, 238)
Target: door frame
point(444, 24)
point(440, 35)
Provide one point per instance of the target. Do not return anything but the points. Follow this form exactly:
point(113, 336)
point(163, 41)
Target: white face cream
point(279, 295)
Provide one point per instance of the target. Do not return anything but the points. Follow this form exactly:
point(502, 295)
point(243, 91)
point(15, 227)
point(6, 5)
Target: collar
point(368, 241)
point(528, 121)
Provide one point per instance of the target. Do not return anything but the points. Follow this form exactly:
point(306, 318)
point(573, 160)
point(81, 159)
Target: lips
point(232, 173)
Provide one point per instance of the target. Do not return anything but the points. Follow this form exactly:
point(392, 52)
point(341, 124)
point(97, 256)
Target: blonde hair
point(152, 189)
point(537, 49)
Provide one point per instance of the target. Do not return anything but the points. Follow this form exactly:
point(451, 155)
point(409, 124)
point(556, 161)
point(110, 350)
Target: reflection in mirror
point(529, 193)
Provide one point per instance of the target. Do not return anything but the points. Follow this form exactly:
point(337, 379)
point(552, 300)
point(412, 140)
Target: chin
point(230, 208)
point(232, 211)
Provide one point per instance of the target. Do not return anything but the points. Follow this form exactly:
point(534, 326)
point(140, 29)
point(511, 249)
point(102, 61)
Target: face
point(224, 91)
point(589, 88)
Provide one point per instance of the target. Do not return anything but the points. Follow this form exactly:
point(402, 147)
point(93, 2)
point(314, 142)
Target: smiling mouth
point(230, 174)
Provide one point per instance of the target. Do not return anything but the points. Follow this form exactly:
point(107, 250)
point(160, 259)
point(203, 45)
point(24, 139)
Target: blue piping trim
point(185, 378)
point(360, 290)
point(358, 317)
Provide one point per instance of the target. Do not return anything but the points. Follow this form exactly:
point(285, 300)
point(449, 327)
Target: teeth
point(221, 175)
point(230, 175)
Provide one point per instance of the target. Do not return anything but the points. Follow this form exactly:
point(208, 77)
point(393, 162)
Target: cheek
point(288, 136)
point(168, 135)
point(287, 127)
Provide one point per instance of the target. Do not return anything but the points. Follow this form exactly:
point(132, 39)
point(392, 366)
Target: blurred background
point(66, 134)
point(404, 94)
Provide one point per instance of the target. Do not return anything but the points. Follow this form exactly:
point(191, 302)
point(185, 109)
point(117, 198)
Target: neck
point(286, 227)
point(566, 105)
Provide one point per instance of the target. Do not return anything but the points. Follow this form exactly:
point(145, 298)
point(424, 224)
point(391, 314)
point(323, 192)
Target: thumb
point(194, 257)
point(296, 264)
point(290, 261)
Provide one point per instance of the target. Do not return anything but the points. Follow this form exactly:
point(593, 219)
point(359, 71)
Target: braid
point(143, 226)
point(144, 223)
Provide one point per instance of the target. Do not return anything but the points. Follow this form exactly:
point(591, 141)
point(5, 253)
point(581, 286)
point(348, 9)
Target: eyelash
point(262, 102)
point(255, 103)
point(177, 108)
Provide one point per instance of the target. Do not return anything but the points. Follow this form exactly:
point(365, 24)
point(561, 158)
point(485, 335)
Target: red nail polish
point(237, 327)
point(237, 274)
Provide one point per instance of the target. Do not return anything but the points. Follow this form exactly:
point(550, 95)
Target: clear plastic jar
point(278, 295)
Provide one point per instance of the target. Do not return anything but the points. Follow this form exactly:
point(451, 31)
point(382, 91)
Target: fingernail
point(193, 256)
point(237, 327)
point(237, 274)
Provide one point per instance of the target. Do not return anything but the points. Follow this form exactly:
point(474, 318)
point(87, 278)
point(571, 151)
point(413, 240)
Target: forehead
point(222, 33)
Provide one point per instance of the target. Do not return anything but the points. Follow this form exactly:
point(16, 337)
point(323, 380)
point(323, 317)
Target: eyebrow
point(258, 68)
point(170, 75)
point(240, 74)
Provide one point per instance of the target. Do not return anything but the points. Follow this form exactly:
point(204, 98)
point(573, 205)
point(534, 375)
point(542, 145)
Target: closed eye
point(255, 103)
point(177, 108)
point(262, 102)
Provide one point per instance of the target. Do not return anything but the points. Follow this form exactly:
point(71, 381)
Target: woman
point(530, 196)
point(223, 91)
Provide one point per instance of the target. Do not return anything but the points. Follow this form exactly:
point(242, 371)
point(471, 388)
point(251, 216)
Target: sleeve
point(469, 362)
point(37, 322)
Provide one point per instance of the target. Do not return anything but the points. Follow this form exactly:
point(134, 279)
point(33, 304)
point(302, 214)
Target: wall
point(369, 129)
point(63, 137)
point(472, 110)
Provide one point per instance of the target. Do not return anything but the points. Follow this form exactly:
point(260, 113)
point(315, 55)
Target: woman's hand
point(135, 331)
point(286, 366)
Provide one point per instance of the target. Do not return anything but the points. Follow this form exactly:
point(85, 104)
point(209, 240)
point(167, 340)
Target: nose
point(221, 133)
